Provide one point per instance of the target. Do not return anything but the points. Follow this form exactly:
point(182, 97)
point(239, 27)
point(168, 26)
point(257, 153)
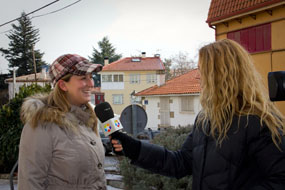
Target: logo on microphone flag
point(117, 123)
point(107, 127)
point(111, 125)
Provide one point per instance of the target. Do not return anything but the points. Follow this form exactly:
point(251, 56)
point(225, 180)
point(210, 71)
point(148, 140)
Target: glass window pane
point(116, 78)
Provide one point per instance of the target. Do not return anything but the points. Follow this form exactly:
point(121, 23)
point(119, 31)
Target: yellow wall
point(128, 89)
point(262, 62)
point(278, 34)
point(273, 60)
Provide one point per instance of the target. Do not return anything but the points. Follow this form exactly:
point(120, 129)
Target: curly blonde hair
point(230, 85)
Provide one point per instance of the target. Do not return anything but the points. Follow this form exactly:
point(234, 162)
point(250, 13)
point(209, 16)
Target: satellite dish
point(133, 119)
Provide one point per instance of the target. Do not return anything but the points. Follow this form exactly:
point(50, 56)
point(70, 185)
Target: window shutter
point(267, 36)
point(252, 40)
point(244, 38)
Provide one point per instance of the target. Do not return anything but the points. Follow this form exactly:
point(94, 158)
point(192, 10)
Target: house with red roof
point(174, 103)
point(258, 25)
point(41, 78)
point(121, 79)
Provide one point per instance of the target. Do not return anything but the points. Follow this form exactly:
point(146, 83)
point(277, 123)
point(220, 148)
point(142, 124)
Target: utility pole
point(35, 67)
point(14, 82)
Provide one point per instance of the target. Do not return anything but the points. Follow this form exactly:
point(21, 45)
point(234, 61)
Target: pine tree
point(19, 53)
point(106, 50)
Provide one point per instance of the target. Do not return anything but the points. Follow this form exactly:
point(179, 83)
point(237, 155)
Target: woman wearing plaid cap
point(60, 148)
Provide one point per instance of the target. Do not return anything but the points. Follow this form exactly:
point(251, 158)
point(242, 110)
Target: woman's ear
point(62, 85)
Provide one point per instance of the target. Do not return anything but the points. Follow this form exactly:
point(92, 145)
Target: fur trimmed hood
point(35, 111)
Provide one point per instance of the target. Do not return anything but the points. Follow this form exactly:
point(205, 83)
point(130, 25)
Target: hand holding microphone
point(111, 125)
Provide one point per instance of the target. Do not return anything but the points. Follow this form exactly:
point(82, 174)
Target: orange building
point(258, 25)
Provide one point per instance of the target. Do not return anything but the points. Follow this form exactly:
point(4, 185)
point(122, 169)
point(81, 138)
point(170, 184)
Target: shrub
point(140, 179)
point(11, 126)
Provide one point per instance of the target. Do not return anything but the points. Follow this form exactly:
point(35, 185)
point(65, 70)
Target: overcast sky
point(133, 26)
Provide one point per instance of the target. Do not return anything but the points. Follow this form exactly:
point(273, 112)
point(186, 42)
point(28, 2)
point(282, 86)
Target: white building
point(174, 103)
point(42, 79)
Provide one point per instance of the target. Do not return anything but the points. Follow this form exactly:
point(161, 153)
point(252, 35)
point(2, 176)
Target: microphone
point(109, 122)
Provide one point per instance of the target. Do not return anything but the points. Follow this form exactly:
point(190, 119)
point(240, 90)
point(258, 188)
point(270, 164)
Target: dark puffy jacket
point(246, 160)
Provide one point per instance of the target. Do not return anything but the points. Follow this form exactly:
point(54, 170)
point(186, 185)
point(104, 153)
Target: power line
point(5, 31)
point(56, 10)
point(30, 12)
point(41, 14)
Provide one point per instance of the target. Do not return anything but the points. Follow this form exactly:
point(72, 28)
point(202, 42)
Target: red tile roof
point(41, 77)
point(187, 83)
point(221, 9)
point(126, 64)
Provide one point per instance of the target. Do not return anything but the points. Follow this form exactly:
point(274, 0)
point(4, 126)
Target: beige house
point(123, 78)
point(258, 25)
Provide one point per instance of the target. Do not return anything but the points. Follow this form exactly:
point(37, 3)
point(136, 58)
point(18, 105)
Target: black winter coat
point(246, 160)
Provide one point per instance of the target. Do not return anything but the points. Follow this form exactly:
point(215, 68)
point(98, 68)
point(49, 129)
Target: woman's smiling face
point(78, 89)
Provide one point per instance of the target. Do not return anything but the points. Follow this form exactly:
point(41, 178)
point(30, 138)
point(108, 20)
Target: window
point(113, 78)
point(118, 98)
point(253, 39)
point(118, 78)
point(106, 78)
point(134, 78)
point(187, 104)
point(151, 78)
point(136, 59)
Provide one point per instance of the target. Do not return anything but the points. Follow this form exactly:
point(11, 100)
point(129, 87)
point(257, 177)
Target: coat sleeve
point(270, 160)
point(162, 161)
point(35, 155)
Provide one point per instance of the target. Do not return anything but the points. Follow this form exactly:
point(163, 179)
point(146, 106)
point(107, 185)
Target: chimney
point(160, 78)
point(106, 61)
point(143, 54)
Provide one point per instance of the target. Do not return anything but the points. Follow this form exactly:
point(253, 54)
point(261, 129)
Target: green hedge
point(11, 126)
point(140, 179)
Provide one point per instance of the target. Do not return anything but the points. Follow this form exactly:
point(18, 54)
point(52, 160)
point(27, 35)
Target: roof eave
point(245, 12)
point(19, 80)
point(132, 70)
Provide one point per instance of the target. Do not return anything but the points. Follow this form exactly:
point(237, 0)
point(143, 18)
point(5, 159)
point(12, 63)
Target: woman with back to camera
point(60, 148)
point(237, 142)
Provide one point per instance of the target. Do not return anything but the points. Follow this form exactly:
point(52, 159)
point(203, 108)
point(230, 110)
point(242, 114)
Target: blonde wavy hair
point(230, 85)
point(58, 103)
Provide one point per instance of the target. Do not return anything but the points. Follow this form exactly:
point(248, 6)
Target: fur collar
point(35, 108)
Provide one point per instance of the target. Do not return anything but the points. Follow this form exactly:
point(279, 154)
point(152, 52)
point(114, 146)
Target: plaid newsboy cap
point(73, 64)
